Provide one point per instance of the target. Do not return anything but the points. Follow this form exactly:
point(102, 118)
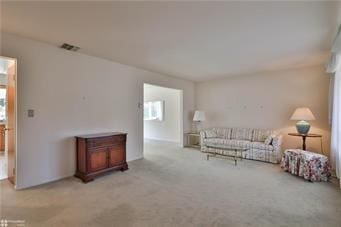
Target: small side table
point(304, 137)
point(192, 140)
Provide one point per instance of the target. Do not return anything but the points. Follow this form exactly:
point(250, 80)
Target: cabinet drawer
point(107, 141)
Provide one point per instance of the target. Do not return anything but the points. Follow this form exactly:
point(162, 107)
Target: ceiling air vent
point(69, 47)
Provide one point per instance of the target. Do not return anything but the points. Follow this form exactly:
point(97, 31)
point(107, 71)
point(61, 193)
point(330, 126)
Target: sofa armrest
point(202, 137)
point(277, 144)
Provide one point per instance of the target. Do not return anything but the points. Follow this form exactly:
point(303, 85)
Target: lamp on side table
point(199, 116)
point(302, 116)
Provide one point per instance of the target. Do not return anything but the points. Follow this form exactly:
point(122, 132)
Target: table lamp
point(302, 115)
point(199, 116)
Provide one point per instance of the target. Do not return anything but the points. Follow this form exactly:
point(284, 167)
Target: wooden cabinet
point(100, 153)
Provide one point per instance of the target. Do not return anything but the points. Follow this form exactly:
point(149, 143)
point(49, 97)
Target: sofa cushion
point(242, 134)
point(261, 146)
point(227, 144)
point(213, 141)
point(260, 135)
point(224, 133)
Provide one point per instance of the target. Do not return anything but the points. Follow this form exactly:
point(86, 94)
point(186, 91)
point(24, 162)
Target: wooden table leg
point(303, 145)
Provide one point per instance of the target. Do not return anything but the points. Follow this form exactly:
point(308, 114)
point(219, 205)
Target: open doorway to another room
point(3, 153)
point(8, 70)
point(163, 116)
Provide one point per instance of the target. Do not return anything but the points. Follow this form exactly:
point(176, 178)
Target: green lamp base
point(302, 127)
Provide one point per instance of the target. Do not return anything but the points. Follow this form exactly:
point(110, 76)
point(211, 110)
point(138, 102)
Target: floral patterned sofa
point(262, 145)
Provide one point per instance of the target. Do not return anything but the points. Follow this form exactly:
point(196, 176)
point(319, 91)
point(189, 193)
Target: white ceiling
point(193, 40)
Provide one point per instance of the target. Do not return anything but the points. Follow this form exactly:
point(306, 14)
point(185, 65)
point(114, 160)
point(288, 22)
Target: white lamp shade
point(199, 116)
point(302, 113)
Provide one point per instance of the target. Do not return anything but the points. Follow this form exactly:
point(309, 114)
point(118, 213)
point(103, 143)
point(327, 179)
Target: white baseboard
point(161, 139)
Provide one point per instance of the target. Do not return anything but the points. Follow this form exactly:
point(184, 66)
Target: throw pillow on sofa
point(268, 139)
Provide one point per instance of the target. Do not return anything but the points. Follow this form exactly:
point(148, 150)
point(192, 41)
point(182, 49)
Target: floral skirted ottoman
point(306, 164)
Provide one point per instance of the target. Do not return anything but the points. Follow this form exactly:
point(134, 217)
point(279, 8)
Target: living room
point(254, 82)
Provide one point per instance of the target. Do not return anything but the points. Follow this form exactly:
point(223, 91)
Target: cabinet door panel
point(117, 155)
point(98, 159)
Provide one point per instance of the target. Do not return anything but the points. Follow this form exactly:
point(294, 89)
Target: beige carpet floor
point(178, 187)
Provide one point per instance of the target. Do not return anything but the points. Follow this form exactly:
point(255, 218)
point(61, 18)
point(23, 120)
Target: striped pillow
point(269, 139)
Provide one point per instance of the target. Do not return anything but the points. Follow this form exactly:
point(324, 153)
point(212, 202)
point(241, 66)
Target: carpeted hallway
point(178, 187)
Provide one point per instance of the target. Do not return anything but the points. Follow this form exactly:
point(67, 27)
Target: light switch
point(30, 113)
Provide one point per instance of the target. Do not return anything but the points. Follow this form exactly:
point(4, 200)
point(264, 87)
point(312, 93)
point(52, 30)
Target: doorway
point(8, 103)
point(162, 115)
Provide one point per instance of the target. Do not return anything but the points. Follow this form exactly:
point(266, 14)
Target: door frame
point(181, 117)
point(15, 118)
point(2, 130)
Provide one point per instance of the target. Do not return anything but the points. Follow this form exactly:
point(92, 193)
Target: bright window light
point(153, 111)
point(2, 104)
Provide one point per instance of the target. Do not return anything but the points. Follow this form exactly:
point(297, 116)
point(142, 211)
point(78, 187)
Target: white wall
point(339, 12)
point(267, 100)
point(75, 94)
point(168, 129)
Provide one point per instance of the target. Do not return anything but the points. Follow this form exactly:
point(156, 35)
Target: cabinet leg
point(125, 167)
point(84, 178)
point(87, 179)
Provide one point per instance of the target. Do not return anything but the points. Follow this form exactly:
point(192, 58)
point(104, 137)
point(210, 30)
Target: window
point(153, 111)
point(2, 104)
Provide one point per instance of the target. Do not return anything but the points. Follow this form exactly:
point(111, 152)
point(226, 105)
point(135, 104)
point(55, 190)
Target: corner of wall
point(339, 12)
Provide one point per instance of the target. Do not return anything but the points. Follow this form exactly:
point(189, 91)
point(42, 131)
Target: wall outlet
point(30, 113)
